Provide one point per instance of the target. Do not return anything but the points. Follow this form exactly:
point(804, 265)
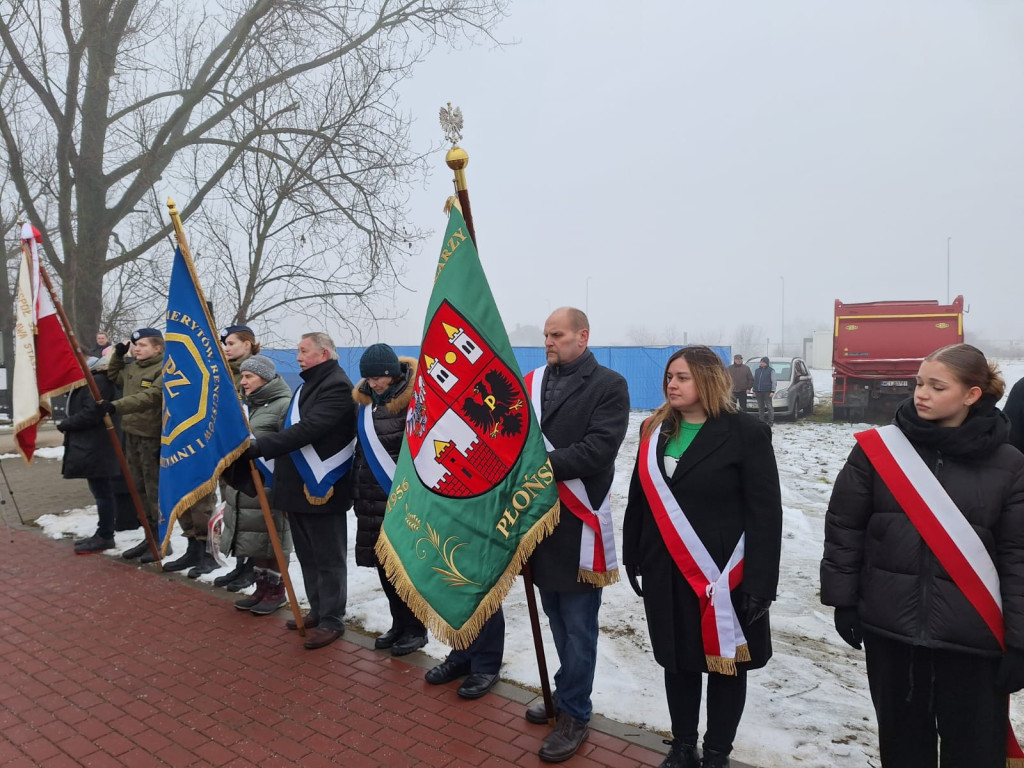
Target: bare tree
point(747, 340)
point(102, 101)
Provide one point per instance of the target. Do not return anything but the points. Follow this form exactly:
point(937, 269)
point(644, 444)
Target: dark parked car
point(794, 393)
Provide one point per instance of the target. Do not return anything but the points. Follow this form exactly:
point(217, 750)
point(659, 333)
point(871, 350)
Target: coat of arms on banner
point(469, 417)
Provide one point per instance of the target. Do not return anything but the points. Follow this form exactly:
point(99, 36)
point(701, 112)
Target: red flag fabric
point(44, 363)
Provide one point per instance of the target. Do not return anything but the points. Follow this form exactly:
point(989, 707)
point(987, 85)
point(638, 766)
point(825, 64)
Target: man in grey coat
point(584, 415)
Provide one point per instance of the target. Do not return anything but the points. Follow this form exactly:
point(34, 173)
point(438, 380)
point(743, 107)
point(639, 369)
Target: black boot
point(680, 755)
point(147, 556)
point(714, 759)
point(207, 562)
point(190, 558)
point(246, 579)
point(242, 564)
point(137, 551)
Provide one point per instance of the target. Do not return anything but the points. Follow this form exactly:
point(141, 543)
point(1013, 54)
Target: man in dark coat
point(1014, 410)
point(584, 415)
point(312, 482)
point(89, 454)
point(742, 381)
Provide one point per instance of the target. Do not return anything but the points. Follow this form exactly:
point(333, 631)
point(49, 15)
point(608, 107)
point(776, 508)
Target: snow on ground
point(810, 706)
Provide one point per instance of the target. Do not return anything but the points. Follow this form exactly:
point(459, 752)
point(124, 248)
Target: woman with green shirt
point(704, 522)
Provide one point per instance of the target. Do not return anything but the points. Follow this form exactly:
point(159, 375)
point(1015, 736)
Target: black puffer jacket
point(875, 558)
point(368, 498)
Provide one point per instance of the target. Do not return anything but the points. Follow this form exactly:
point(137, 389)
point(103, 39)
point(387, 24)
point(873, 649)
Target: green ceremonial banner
point(473, 491)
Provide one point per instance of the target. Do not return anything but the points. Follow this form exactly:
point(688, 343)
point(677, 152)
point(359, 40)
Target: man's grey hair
point(322, 342)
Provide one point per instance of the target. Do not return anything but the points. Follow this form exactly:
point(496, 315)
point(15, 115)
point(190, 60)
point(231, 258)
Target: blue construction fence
point(642, 367)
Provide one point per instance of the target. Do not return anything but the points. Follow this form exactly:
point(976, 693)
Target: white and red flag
point(44, 363)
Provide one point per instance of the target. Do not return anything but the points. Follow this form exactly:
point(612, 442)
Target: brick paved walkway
point(105, 664)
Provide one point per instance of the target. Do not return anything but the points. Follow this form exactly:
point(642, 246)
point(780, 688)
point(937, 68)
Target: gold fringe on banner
point(196, 494)
point(1014, 762)
point(461, 638)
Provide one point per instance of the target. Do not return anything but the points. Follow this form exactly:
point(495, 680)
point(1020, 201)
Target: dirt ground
point(28, 491)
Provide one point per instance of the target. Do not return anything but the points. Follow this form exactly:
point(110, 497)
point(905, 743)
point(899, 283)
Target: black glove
point(753, 608)
point(253, 451)
point(1010, 677)
point(121, 348)
point(105, 406)
point(62, 426)
point(848, 626)
point(633, 574)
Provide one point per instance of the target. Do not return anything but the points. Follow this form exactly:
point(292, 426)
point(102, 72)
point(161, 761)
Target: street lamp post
point(782, 327)
point(948, 239)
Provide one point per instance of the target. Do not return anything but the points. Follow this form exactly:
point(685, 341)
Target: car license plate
point(895, 383)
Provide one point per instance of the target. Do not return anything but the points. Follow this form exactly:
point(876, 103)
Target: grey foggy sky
point(685, 156)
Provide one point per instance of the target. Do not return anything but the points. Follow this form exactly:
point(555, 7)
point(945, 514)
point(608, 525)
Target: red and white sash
point(944, 529)
point(724, 643)
point(598, 562)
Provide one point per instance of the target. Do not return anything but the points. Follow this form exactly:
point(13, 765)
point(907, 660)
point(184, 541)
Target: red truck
point(877, 347)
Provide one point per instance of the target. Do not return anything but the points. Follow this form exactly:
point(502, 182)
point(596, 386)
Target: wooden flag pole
point(179, 234)
point(107, 421)
point(275, 540)
point(457, 159)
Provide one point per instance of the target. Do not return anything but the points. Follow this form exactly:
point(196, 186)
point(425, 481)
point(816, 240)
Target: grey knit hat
point(261, 365)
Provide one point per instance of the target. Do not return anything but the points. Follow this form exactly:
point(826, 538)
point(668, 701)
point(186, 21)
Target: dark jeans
point(924, 696)
point(740, 398)
point(484, 654)
point(321, 544)
point(401, 615)
point(727, 695)
point(765, 411)
point(574, 627)
point(102, 489)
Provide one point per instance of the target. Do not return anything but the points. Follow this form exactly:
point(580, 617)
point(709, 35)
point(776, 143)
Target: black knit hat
point(378, 360)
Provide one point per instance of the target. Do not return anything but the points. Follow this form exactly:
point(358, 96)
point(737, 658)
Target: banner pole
point(275, 540)
point(108, 423)
point(457, 159)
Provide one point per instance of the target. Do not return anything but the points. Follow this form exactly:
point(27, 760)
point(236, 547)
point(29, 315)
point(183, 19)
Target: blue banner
point(204, 429)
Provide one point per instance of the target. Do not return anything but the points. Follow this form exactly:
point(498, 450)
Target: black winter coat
point(876, 560)
point(88, 452)
point(727, 484)
point(586, 426)
point(368, 498)
point(328, 423)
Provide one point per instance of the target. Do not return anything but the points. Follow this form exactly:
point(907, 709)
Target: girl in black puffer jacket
point(384, 393)
point(935, 669)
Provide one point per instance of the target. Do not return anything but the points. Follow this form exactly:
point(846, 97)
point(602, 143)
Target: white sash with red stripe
point(724, 643)
point(943, 527)
point(598, 562)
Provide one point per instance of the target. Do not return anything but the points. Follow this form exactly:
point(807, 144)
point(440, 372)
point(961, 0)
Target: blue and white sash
point(318, 474)
point(377, 458)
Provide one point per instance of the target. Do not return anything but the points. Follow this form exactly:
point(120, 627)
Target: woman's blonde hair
point(714, 388)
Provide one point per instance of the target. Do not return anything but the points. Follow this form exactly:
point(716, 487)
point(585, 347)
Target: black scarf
point(984, 430)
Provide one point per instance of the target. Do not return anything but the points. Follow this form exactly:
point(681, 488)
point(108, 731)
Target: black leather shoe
point(445, 672)
point(537, 714)
point(406, 644)
point(680, 755)
point(477, 685)
point(388, 638)
point(137, 551)
point(562, 743)
point(147, 556)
